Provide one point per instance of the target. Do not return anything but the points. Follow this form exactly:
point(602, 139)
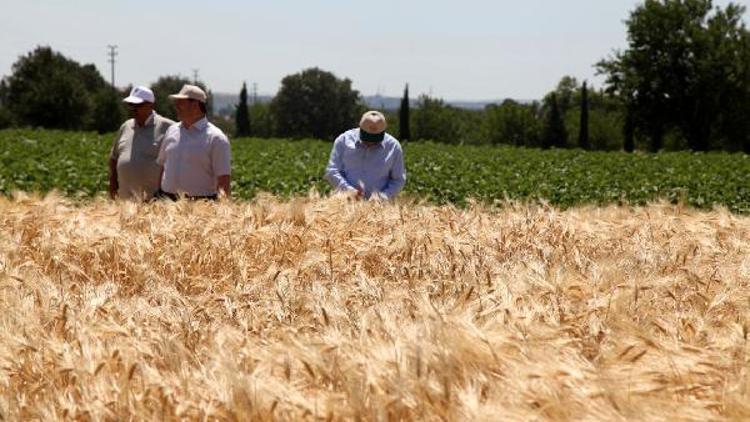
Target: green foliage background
point(75, 164)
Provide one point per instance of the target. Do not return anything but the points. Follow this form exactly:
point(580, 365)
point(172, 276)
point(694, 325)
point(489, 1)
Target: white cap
point(139, 95)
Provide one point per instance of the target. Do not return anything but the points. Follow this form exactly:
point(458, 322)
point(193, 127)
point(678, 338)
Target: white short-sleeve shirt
point(193, 158)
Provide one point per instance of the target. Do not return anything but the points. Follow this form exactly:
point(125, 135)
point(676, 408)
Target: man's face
point(371, 139)
point(186, 109)
point(140, 111)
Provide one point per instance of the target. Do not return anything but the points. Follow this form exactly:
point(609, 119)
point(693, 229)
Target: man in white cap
point(133, 171)
point(367, 161)
point(195, 155)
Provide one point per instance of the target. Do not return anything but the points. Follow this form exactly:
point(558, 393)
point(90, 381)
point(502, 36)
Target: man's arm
point(221, 161)
point(334, 169)
point(397, 175)
point(161, 159)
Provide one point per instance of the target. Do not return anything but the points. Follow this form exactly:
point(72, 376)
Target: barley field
point(323, 309)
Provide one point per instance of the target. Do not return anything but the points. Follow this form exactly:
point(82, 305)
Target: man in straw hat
point(133, 172)
point(195, 155)
point(367, 161)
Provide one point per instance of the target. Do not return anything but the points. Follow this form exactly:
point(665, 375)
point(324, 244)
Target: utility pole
point(112, 54)
point(195, 76)
point(255, 93)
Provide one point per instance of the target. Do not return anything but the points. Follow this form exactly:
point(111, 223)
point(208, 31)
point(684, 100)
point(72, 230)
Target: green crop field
point(75, 163)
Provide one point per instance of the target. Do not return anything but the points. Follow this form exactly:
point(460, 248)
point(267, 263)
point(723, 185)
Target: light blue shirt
point(376, 169)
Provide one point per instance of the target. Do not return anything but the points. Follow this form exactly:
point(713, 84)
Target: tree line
point(683, 82)
point(49, 90)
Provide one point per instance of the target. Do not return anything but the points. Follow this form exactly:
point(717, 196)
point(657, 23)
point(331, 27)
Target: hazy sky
point(470, 49)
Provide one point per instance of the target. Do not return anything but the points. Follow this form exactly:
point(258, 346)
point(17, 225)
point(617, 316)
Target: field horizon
point(75, 163)
point(318, 308)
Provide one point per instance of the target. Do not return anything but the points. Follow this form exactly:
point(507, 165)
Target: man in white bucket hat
point(367, 161)
point(133, 172)
point(195, 155)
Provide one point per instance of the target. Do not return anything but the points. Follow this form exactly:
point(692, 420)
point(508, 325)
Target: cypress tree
point(583, 133)
point(403, 116)
point(554, 131)
point(242, 118)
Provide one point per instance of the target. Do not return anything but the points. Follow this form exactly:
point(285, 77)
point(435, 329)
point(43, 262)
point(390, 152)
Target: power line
point(112, 54)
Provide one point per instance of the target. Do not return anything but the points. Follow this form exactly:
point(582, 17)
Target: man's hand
point(360, 191)
point(353, 194)
point(378, 196)
point(224, 186)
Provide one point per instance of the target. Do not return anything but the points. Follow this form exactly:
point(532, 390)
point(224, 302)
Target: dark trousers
point(174, 197)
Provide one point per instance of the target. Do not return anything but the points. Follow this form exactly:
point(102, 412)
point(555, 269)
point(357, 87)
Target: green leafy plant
point(74, 163)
